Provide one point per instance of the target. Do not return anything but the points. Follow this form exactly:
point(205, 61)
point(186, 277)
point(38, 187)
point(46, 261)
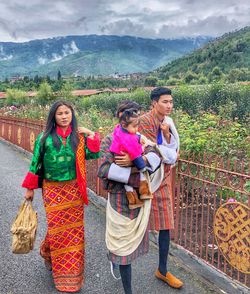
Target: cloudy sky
point(37, 19)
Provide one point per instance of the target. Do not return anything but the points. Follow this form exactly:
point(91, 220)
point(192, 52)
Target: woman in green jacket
point(59, 158)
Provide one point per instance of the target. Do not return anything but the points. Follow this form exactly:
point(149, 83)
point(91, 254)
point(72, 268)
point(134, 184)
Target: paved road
point(26, 274)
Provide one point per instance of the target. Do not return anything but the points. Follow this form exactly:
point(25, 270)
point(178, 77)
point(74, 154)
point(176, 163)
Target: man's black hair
point(157, 92)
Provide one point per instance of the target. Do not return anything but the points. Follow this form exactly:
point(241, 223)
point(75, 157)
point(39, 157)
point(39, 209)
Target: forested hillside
point(227, 57)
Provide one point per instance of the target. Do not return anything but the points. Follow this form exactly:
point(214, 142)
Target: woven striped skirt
point(162, 213)
point(63, 246)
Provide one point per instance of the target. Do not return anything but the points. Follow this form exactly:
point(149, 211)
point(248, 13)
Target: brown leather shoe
point(170, 279)
point(133, 200)
point(144, 190)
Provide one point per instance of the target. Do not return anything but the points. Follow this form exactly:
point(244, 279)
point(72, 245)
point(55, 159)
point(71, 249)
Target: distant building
point(128, 76)
point(15, 78)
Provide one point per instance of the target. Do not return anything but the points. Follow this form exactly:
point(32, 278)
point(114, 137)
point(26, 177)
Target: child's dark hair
point(127, 114)
point(126, 104)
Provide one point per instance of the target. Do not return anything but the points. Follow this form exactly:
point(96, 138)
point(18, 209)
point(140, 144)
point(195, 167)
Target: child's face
point(132, 127)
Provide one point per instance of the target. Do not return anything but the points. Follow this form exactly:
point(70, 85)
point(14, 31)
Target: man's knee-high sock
point(126, 272)
point(164, 240)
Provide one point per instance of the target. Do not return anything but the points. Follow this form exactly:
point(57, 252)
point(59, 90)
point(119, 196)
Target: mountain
point(228, 52)
point(91, 55)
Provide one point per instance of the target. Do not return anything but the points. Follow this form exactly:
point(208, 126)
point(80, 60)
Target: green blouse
point(58, 166)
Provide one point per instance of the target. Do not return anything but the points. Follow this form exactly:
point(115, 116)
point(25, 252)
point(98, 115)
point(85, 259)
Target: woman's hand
point(123, 160)
point(29, 195)
point(89, 133)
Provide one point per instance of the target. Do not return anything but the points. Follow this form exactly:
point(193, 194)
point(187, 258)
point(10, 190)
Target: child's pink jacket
point(126, 142)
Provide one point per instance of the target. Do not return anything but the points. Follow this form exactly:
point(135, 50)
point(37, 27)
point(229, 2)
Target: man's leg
point(126, 272)
point(164, 240)
point(162, 273)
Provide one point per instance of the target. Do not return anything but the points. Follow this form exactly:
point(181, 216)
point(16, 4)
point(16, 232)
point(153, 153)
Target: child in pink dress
point(126, 139)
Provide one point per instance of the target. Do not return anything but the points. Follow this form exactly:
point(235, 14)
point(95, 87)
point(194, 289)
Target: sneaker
point(115, 271)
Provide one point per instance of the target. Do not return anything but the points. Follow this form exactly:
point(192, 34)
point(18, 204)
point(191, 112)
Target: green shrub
point(213, 134)
point(45, 94)
point(212, 97)
point(108, 101)
point(16, 97)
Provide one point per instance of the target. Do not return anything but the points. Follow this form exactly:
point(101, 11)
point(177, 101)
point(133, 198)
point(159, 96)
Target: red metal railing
point(203, 184)
point(22, 132)
point(200, 186)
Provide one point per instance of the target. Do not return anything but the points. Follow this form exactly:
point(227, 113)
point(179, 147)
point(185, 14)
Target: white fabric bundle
point(123, 235)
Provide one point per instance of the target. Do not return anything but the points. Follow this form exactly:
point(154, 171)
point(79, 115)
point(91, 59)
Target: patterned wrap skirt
point(64, 242)
point(162, 212)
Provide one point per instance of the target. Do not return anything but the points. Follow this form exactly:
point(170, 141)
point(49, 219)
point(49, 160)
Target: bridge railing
point(200, 186)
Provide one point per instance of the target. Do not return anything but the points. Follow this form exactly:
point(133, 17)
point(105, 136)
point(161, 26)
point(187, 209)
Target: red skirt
point(64, 242)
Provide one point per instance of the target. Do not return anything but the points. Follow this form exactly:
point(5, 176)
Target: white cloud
point(42, 60)
point(56, 57)
point(34, 19)
point(213, 25)
point(8, 57)
point(3, 55)
point(68, 49)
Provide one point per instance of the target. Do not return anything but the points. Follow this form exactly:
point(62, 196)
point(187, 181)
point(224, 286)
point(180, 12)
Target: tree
point(215, 75)
point(66, 91)
point(37, 79)
point(173, 82)
point(45, 94)
point(48, 79)
point(202, 80)
point(190, 76)
point(59, 75)
point(16, 97)
point(151, 81)
point(216, 71)
point(234, 75)
point(161, 83)
point(26, 79)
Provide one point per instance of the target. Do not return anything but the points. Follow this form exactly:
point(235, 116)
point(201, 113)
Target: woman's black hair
point(127, 114)
point(51, 127)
